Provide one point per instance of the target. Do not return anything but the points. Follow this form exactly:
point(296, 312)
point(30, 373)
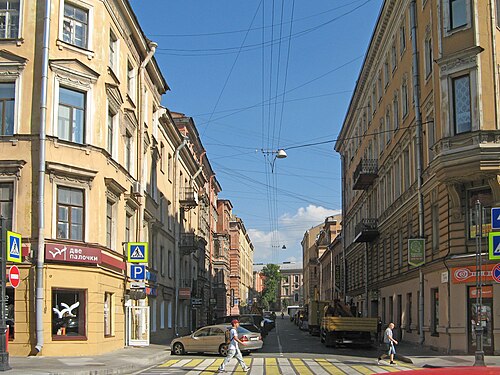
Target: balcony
point(366, 172)
point(188, 198)
point(189, 243)
point(366, 230)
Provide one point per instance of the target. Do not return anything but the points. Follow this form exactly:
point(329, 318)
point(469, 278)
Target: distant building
point(291, 288)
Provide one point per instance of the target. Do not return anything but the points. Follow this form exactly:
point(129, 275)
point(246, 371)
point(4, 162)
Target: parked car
point(211, 339)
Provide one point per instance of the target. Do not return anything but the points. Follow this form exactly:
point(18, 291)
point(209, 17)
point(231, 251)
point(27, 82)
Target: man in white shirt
point(233, 350)
point(389, 342)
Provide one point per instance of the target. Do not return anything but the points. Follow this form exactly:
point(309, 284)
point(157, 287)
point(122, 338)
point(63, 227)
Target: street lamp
point(278, 154)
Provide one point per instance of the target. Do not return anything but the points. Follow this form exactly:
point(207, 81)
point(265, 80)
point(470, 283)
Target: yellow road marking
point(362, 369)
point(272, 366)
point(331, 369)
point(300, 366)
point(210, 370)
point(193, 363)
point(170, 363)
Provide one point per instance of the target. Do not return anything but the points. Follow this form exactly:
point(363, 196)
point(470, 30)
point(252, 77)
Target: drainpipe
point(418, 123)
point(41, 180)
point(177, 260)
point(140, 156)
point(494, 56)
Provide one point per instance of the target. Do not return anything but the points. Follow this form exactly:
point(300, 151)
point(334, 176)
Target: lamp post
point(479, 354)
point(278, 154)
point(4, 355)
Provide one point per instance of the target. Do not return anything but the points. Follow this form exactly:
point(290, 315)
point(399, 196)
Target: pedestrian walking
point(233, 348)
point(389, 342)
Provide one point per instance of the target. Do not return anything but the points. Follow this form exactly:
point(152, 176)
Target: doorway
point(485, 320)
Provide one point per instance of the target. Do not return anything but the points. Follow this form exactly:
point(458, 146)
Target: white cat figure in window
point(67, 311)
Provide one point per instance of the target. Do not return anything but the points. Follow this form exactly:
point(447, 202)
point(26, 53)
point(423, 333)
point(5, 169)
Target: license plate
point(254, 338)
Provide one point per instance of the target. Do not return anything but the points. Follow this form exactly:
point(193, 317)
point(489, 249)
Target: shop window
point(486, 198)
point(10, 305)
point(434, 311)
point(70, 213)
point(108, 314)
point(7, 202)
point(68, 314)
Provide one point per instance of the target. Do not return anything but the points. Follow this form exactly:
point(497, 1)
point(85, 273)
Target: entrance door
point(486, 319)
point(138, 325)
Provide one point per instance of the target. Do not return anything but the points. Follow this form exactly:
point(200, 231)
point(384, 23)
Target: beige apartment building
point(291, 286)
point(97, 165)
point(419, 147)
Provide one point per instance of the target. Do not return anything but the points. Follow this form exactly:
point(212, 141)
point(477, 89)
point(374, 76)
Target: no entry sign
point(14, 276)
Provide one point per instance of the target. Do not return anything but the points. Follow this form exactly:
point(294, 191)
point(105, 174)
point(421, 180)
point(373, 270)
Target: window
point(406, 169)
point(169, 167)
point(484, 196)
point(75, 25)
point(7, 203)
point(379, 86)
point(374, 99)
point(461, 104)
point(68, 314)
point(404, 99)
point(434, 311)
point(152, 252)
point(162, 157)
point(391, 309)
point(384, 312)
point(113, 52)
point(109, 224)
point(153, 316)
point(128, 151)
point(128, 227)
point(458, 13)
point(111, 120)
point(9, 19)
point(397, 179)
point(162, 315)
point(70, 214)
point(395, 111)
point(7, 102)
point(435, 228)
point(162, 260)
point(131, 85)
point(402, 38)
point(169, 314)
point(108, 314)
point(428, 57)
point(394, 59)
point(497, 5)
point(170, 264)
point(409, 308)
point(431, 138)
point(386, 73)
point(400, 248)
point(154, 178)
point(71, 120)
point(388, 130)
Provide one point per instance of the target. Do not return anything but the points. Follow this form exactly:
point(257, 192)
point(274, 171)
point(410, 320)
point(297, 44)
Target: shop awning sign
point(137, 252)
point(416, 252)
point(494, 245)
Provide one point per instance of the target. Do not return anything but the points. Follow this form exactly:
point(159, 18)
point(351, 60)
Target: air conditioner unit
point(136, 187)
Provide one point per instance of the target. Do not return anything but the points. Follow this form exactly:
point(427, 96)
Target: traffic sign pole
point(4, 355)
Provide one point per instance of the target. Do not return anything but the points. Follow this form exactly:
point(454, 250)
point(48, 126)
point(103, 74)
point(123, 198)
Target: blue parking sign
point(137, 272)
point(494, 248)
point(495, 218)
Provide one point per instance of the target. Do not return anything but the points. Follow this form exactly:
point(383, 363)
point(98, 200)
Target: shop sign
point(184, 293)
point(151, 291)
point(486, 292)
point(416, 252)
point(72, 254)
point(467, 274)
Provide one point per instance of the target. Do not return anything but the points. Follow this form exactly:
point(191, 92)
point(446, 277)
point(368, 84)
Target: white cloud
point(291, 229)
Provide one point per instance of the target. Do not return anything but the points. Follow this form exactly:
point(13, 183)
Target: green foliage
point(272, 282)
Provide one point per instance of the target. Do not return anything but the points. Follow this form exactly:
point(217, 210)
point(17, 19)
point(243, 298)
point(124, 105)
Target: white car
point(211, 339)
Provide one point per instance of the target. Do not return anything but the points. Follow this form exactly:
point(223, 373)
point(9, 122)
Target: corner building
point(457, 149)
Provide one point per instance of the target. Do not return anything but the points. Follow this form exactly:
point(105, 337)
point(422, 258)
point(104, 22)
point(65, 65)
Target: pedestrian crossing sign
point(494, 248)
point(137, 252)
point(13, 247)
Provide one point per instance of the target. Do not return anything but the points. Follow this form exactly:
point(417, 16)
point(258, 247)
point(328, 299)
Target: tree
point(272, 282)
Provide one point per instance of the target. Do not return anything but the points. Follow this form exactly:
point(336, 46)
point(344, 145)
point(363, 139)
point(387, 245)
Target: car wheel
point(178, 349)
point(223, 350)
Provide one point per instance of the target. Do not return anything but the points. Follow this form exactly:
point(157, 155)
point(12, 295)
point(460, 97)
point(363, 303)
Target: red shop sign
point(467, 274)
point(486, 292)
point(72, 253)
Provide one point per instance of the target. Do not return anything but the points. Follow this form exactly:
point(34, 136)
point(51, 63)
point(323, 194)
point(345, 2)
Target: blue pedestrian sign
point(137, 272)
point(137, 252)
point(495, 218)
point(494, 248)
point(13, 247)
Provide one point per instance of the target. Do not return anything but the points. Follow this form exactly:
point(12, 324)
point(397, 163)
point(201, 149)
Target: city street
point(287, 350)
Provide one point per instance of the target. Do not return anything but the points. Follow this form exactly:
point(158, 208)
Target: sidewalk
point(426, 357)
point(123, 361)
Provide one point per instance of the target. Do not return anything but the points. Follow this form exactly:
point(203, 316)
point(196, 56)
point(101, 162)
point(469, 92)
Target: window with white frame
point(428, 57)
point(111, 132)
point(131, 81)
point(128, 151)
point(108, 314)
point(70, 213)
point(71, 115)
point(461, 104)
point(7, 107)
point(162, 260)
point(458, 13)
point(9, 19)
point(7, 203)
point(75, 25)
point(404, 99)
point(394, 58)
point(170, 264)
point(402, 38)
point(128, 227)
point(395, 111)
point(110, 220)
point(113, 51)
point(406, 169)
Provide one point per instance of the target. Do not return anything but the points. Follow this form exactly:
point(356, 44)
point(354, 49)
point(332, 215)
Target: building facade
point(291, 286)
point(420, 147)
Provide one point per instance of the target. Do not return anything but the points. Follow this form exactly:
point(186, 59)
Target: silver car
point(211, 339)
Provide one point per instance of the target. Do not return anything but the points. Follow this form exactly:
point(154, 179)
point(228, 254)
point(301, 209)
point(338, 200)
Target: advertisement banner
point(467, 274)
point(416, 252)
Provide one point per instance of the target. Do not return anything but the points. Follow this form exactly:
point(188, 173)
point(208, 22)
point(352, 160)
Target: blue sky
point(250, 87)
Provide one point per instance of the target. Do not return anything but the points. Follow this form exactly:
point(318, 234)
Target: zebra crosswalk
point(275, 366)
